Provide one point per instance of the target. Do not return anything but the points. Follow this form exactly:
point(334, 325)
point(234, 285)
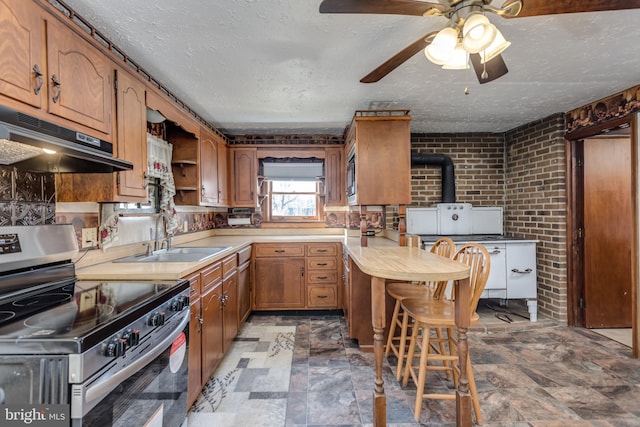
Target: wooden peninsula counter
point(385, 262)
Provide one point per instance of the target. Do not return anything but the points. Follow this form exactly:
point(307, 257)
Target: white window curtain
point(159, 154)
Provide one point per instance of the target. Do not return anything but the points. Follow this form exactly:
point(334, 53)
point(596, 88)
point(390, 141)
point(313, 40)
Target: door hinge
point(118, 179)
point(580, 162)
point(581, 303)
point(580, 233)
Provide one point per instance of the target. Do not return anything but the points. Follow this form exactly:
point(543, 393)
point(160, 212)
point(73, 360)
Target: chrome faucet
point(166, 237)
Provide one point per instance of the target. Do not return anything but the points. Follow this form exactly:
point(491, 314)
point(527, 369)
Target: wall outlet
point(89, 237)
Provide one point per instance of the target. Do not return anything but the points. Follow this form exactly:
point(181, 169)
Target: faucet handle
point(148, 246)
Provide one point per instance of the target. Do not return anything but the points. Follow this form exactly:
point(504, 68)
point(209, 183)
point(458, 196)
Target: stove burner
point(34, 301)
point(6, 315)
point(65, 317)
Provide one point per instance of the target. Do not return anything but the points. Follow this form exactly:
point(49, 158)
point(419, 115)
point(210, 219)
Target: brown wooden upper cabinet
point(334, 177)
point(130, 145)
point(209, 154)
point(245, 177)
point(41, 58)
point(379, 146)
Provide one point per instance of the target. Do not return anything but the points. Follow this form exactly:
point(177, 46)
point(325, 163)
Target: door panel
point(607, 232)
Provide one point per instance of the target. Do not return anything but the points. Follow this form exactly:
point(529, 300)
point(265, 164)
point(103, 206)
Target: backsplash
point(26, 198)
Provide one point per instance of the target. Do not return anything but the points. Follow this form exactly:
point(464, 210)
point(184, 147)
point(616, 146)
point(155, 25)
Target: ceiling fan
point(467, 32)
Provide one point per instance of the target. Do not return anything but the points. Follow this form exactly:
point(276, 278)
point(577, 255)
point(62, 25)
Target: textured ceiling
point(279, 66)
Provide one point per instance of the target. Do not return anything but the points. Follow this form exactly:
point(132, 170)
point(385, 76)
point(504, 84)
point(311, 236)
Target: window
point(294, 200)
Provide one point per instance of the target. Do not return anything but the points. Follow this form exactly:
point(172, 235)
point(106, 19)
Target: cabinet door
point(279, 283)
point(131, 144)
point(21, 51)
point(230, 308)
point(223, 170)
point(195, 353)
point(208, 168)
point(245, 178)
point(79, 79)
point(497, 278)
point(212, 349)
point(335, 191)
point(244, 292)
point(521, 270)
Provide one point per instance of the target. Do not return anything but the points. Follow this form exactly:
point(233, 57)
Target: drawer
point(194, 286)
point(244, 255)
point(279, 250)
point(229, 264)
point(209, 276)
point(322, 249)
point(319, 263)
point(322, 277)
point(322, 296)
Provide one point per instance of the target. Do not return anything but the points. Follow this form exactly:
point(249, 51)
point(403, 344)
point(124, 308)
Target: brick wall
point(522, 170)
point(478, 160)
point(536, 204)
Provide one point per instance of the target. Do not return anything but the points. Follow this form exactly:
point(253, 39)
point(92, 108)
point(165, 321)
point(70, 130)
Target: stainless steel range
point(115, 352)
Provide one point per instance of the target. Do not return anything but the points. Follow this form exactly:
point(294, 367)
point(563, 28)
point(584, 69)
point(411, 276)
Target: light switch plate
point(89, 237)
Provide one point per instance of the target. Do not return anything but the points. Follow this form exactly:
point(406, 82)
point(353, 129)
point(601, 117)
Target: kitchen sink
point(176, 255)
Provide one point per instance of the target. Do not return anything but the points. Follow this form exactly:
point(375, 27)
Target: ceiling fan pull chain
point(484, 74)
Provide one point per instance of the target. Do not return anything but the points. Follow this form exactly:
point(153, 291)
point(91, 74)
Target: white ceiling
point(279, 66)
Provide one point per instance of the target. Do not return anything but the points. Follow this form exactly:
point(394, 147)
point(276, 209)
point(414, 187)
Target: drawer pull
point(322, 250)
point(322, 296)
point(279, 251)
point(322, 277)
point(322, 264)
point(495, 252)
point(527, 271)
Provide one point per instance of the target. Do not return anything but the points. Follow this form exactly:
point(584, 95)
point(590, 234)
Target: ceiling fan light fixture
point(458, 60)
point(477, 33)
point(442, 46)
point(498, 46)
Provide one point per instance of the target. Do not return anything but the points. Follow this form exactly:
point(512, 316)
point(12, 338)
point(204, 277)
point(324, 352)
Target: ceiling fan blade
point(546, 7)
point(398, 59)
point(392, 7)
point(495, 68)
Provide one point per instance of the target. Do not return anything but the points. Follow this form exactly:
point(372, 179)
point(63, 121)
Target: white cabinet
point(486, 220)
point(521, 271)
point(496, 286)
point(422, 220)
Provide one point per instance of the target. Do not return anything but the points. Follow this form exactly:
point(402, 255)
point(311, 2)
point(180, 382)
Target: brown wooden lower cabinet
point(244, 285)
point(279, 283)
point(292, 276)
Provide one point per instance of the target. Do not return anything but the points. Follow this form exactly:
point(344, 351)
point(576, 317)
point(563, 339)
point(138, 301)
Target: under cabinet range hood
point(30, 143)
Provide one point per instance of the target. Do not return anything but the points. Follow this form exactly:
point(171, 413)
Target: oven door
point(149, 390)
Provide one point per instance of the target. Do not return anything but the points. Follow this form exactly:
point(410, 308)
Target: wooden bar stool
point(399, 291)
point(439, 315)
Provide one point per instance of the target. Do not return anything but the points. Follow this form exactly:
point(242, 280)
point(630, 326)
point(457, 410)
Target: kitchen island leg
point(377, 320)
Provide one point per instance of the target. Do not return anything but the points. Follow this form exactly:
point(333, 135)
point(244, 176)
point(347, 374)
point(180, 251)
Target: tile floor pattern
point(302, 370)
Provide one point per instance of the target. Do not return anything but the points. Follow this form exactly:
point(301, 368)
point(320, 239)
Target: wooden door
point(212, 350)
point(230, 322)
point(279, 283)
point(245, 177)
point(244, 292)
point(21, 52)
point(607, 232)
point(208, 168)
point(131, 145)
point(223, 170)
point(79, 79)
point(335, 190)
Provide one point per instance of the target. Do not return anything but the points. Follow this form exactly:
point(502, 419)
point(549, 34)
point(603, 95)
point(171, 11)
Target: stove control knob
point(156, 319)
point(115, 348)
point(131, 337)
point(177, 305)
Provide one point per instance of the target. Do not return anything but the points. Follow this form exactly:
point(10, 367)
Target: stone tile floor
point(301, 369)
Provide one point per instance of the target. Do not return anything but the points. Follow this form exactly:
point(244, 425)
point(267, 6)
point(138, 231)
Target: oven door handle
point(101, 388)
